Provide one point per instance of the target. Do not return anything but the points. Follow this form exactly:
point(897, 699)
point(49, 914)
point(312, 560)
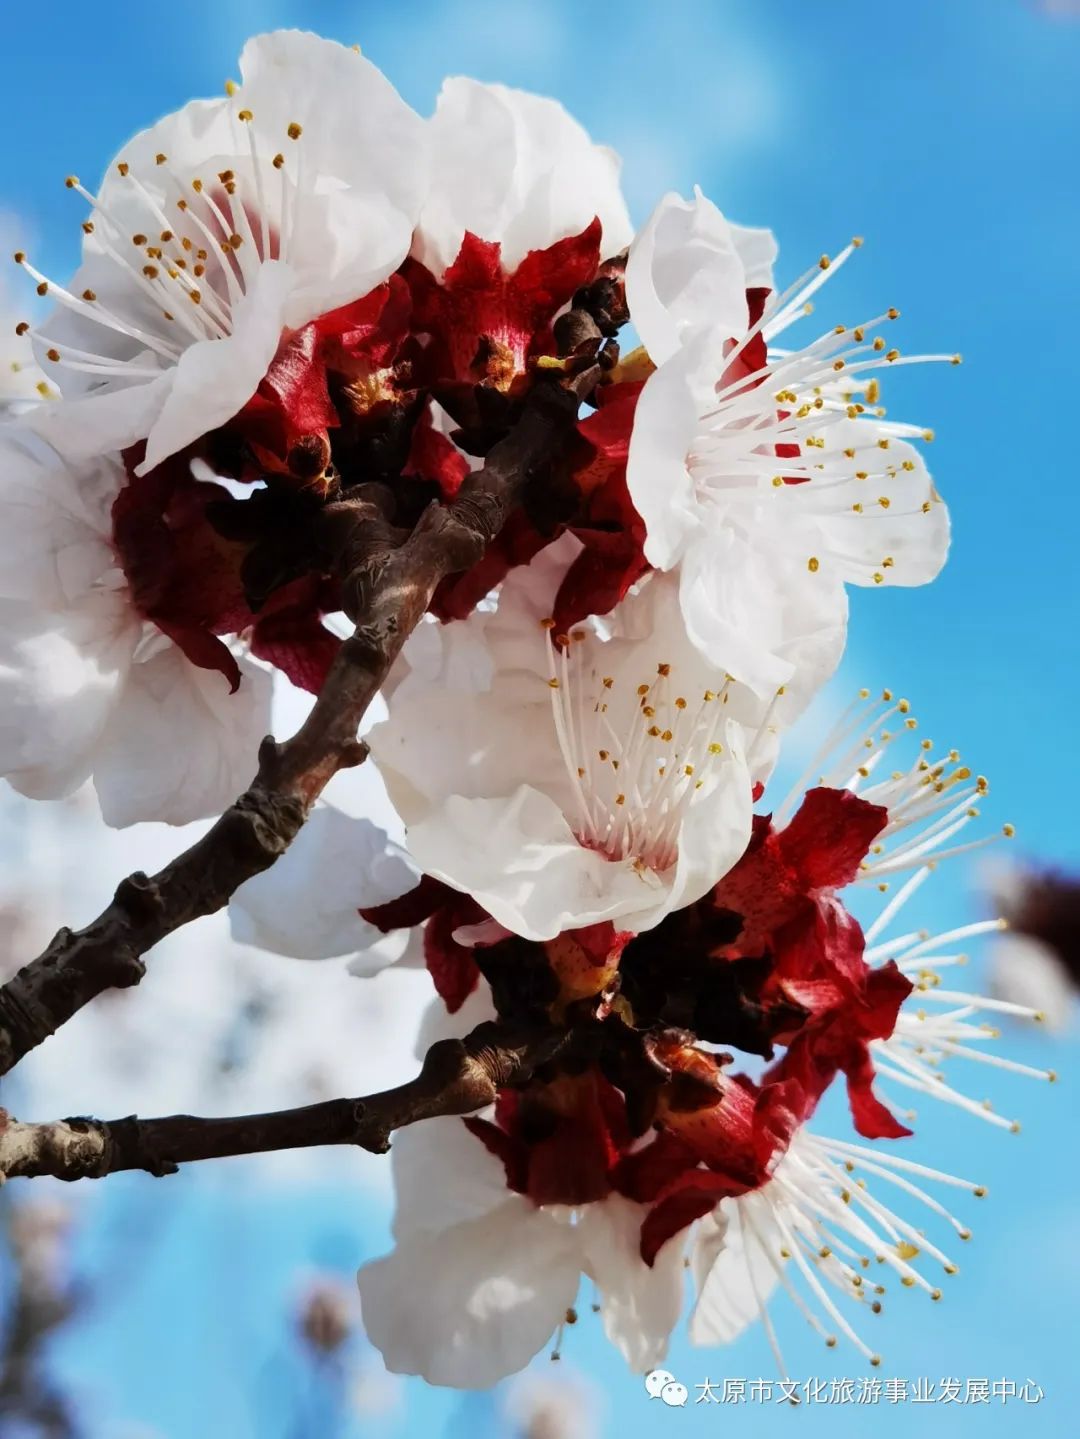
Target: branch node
point(139, 897)
point(269, 759)
point(353, 754)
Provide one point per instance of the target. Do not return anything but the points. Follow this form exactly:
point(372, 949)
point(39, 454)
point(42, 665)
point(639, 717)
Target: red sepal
point(289, 634)
point(485, 323)
point(411, 908)
point(293, 402)
point(829, 836)
point(691, 1196)
point(452, 966)
point(433, 456)
point(511, 1153)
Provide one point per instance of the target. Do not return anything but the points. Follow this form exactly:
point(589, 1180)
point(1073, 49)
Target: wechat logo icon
point(659, 1384)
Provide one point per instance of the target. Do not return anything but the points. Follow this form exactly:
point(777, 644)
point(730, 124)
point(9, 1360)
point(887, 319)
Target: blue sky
point(947, 135)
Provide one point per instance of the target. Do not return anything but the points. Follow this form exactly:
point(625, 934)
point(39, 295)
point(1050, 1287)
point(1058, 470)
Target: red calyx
point(286, 422)
point(560, 1142)
point(441, 910)
point(484, 323)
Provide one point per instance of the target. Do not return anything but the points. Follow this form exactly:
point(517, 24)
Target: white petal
point(767, 619)
point(517, 169)
point(639, 1305)
point(716, 829)
point(684, 272)
point(454, 657)
point(659, 481)
point(179, 746)
point(341, 246)
point(85, 428)
point(402, 949)
point(443, 1174)
point(61, 677)
point(519, 858)
point(214, 379)
point(437, 1023)
point(55, 522)
point(466, 745)
point(757, 250)
point(468, 1306)
point(898, 535)
point(356, 127)
point(306, 905)
point(741, 1277)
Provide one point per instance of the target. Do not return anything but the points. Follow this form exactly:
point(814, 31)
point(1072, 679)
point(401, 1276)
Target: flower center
point(817, 1220)
point(636, 751)
point(190, 246)
point(767, 433)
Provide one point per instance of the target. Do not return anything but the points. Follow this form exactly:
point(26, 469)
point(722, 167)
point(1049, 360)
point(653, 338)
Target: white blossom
point(766, 483)
point(609, 778)
point(480, 1278)
point(221, 228)
point(87, 686)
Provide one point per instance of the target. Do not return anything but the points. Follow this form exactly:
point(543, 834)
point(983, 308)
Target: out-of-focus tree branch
point(40, 1300)
point(457, 1077)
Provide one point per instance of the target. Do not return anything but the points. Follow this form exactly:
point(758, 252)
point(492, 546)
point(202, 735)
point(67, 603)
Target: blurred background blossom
point(222, 1300)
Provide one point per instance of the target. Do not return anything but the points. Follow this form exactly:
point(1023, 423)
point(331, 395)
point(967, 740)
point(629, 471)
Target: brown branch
point(458, 1076)
point(387, 587)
